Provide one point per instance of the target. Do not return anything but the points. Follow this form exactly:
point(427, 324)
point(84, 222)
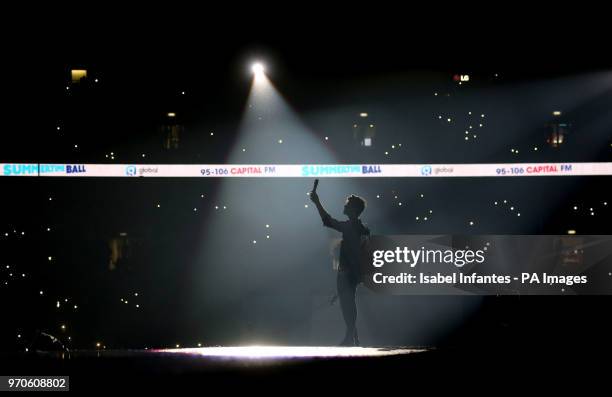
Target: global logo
point(130, 170)
point(426, 170)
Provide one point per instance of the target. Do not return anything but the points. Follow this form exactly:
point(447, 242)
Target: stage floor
point(286, 352)
point(305, 366)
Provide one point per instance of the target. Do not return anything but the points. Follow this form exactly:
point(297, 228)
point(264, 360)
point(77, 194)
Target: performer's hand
point(314, 197)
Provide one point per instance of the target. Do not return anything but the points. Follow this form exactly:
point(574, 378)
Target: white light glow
point(272, 352)
point(258, 69)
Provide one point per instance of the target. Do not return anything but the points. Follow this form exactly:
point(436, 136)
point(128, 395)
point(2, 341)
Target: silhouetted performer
point(349, 273)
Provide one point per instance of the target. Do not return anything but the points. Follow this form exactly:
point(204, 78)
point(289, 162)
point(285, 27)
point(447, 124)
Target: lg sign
point(461, 77)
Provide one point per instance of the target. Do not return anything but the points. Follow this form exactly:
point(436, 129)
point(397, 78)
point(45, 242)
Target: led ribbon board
point(306, 170)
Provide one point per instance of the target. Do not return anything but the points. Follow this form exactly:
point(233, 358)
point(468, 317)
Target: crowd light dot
point(471, 223)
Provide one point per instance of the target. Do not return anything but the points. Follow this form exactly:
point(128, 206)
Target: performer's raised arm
point(327, 219)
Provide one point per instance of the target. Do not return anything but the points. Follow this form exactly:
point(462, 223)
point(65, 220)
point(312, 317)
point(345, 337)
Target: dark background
point(321, 61)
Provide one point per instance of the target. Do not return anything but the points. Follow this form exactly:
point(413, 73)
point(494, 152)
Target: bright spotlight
point(257, 68)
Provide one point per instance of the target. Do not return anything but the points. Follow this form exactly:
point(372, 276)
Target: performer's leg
point(346, 294)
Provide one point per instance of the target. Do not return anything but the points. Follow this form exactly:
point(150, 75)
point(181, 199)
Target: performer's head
point(354, 206)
